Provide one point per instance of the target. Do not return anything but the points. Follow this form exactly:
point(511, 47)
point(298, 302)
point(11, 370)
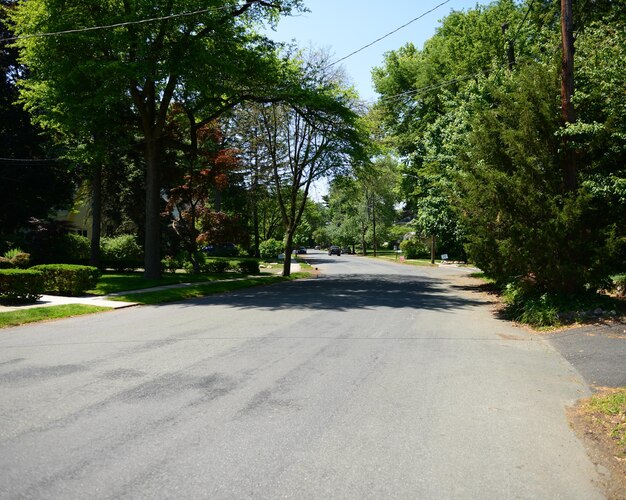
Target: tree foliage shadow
point(347, 292)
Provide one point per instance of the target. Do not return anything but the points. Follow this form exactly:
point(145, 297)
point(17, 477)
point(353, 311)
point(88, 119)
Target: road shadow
point(347, 292)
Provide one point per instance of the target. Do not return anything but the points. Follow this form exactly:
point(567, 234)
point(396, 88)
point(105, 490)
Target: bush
point(270, 249)
point(414, 249)
point(21, 285)
point(122, 253)
point(75, 248)
point(620, 285)
point(215, 266)
point(171, 264)
point(526, 305)
point(245, 266)
point(68, 279)
point(14, 258)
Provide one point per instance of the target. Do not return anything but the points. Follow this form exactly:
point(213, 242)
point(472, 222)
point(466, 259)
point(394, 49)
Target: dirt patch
point(596, 429)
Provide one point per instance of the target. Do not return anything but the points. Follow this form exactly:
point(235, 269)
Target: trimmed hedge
point(68, 279)
point(21, 285)
point(247, 266)
point(220, 265)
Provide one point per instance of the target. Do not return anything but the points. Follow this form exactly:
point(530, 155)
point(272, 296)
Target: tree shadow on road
point(348, 292)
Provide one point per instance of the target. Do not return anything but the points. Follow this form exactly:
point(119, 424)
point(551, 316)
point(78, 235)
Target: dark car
point(346, 250)
point(302, 250)
point(334, 250)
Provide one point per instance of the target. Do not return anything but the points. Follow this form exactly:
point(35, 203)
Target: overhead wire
point(117, 25)
point(386, 35)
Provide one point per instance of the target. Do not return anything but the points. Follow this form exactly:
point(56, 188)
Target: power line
point(519, 27)
point(117, 25)
point(386, 35)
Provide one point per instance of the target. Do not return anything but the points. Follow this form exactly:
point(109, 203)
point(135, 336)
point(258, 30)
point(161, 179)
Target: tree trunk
point(96, 216)
point(375, 245)
point(433, 245)
point(152, 250)
point(288, 250)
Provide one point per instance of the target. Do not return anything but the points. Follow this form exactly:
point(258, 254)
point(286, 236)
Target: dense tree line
point(144, 106)
point(475, 117)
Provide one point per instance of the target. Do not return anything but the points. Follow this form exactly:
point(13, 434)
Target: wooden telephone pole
point(567, 91)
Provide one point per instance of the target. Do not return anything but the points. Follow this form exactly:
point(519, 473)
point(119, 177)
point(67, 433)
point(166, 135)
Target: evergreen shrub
point(121, 253)
point(68, 279)
point(20, 285)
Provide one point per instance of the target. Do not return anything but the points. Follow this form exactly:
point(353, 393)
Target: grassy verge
point(15, 318)
point(547, 311)
point(122, 282)
point(201, 290)
point(601, 422)
point(393, 257)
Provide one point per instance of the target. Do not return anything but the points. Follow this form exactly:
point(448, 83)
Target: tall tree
point(199, 51)
point(308, 140)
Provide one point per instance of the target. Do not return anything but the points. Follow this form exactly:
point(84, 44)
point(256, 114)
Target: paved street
point(374, 380)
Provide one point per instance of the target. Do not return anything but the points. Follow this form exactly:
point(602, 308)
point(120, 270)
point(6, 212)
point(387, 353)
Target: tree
point(312, 137)
point(212, 55)
point(32, 185)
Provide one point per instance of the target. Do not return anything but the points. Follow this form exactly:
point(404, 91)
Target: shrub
point(14, 258)
point(68, 279)
point(75, 248)
point(526, 305)
point(170, 263)
point(269, 249)
point(215, 266)
point(21, 285)
point(122, 253)
point(245, 266)
point(414, 249)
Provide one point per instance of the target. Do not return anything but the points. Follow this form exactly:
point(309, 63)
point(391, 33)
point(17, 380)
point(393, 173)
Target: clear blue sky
point(343, 26)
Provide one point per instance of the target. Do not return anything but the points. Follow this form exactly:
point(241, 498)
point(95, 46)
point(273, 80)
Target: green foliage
point(270, 249)
point(68, 279)
point(21, 285)
point(14, 258)
point(525, 306)
point(121, 252)
point(414, 249)
point(215, 266)
point(246, 266)
point(75, 247)
point(171, 264)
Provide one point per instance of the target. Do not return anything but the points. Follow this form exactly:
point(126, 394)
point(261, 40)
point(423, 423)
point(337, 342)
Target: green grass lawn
point(110, 283)
point(122, 282)
point(390, 255)
point(201, 290)
point(15, 318)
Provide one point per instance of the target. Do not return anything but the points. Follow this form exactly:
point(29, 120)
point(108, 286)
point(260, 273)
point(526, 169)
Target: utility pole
point(567, 92)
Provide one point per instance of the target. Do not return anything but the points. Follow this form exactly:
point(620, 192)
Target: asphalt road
point(372, 381)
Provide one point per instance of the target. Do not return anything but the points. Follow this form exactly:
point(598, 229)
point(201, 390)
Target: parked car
point(346, 250)
point(334, 249)
point(302, 250)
